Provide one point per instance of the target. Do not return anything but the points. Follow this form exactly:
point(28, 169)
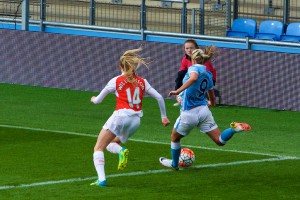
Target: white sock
point(114, 147)
point(99, 164)
point(222, 141)
point(175, 145)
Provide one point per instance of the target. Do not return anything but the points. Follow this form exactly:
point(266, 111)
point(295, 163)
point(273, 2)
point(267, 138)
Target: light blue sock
point(175, 152)
point(226, 135)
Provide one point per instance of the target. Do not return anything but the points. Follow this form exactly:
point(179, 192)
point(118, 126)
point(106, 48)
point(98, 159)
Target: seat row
point(268, 30)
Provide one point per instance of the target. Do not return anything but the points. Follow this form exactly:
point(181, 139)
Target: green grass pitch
point(47, 137)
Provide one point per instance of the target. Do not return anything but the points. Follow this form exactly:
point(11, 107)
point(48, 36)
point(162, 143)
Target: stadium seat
point(292, 33)
point(242, 27)
point(270, 30)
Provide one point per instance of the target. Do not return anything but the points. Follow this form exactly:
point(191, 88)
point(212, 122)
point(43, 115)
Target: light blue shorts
point(200, 117)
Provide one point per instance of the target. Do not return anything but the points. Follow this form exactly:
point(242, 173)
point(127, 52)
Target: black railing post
point(92, 12)
point(235, 9)
point(42, 15)
point(143, 26)
point(183, 17)
point(286, 12)
point(201, 17)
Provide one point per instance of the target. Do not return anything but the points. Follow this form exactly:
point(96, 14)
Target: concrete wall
point(245, 77)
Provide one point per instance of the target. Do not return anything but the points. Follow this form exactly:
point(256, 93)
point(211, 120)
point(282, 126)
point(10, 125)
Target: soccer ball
point(186, 158)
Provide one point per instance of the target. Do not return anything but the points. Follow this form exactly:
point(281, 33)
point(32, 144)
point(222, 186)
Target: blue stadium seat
point(242, 27)
point(270, 30)
point(292, 33)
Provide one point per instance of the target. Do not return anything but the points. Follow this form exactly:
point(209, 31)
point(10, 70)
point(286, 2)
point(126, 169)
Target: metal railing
point(140, 19)
point(206, 17)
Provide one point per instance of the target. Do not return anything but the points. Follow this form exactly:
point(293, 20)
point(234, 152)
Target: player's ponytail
point(130, 61)
point(199, 56)
point(211, 51)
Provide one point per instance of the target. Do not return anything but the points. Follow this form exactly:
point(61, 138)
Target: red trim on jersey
point(185, 63)
point(130, 96)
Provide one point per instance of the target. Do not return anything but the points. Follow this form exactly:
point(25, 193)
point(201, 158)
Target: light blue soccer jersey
point(194, 95)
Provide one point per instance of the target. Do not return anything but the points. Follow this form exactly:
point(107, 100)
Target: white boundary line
point(139, 140)
point(142, 173)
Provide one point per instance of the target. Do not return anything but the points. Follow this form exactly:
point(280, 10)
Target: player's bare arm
point(193, 78)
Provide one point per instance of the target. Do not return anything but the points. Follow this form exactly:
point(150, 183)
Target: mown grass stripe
point(143, 173)
point(138, 140)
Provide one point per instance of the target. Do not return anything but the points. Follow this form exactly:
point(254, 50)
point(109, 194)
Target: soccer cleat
point(238, 127)
point(176, 104)
point(99, 183)
point(123, 158)
point(167, 163)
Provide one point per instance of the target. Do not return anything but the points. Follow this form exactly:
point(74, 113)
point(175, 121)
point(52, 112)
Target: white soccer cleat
point(167, 163)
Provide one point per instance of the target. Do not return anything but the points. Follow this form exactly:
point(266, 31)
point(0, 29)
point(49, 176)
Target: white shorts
point(200, 117)
point(122, 125)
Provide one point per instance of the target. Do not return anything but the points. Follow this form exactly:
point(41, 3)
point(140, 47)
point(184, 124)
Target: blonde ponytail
point(199, 56)
point(211, 51)
point(130, 61)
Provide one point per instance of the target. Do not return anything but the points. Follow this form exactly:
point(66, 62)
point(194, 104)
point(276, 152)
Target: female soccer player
point(194, 111)
point(129, 90)
point(188, 47)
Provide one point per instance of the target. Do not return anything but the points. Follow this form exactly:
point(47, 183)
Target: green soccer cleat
point(123, 158)
point(238, 127)
point(99, 183)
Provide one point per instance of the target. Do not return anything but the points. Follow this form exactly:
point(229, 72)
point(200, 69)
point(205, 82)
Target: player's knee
point(176, 137)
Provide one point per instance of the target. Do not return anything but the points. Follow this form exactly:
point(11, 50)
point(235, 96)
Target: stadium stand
point(242, 27)
point(292, 33)
point(270, 30)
